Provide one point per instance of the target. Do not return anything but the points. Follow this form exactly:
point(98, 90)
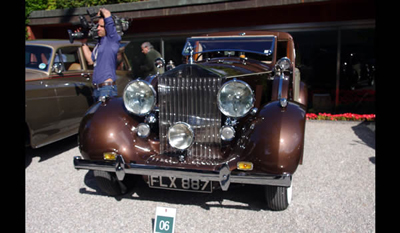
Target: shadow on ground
point(51, 150)
point(365, 131)
point(248, 197)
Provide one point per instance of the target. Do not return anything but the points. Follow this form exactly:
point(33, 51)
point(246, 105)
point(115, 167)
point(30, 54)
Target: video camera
point(89, 29)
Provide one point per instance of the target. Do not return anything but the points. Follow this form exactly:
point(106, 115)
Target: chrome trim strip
point(223, 176)
point(251, 74)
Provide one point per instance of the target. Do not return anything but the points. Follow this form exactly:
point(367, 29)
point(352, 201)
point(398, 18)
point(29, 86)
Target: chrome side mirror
point(57, 67)
point(159, 62)
point(282, 65)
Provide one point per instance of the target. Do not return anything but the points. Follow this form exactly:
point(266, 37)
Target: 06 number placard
point(165, 220)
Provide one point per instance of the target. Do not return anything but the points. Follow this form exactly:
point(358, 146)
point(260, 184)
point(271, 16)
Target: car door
point(73, 87)
point(41, 104)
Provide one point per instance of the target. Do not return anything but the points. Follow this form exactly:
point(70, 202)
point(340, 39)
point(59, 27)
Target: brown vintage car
point(58, 88)
point(235, 113)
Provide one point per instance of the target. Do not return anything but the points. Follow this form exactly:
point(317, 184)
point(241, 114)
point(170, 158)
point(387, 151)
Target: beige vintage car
point(58, 88)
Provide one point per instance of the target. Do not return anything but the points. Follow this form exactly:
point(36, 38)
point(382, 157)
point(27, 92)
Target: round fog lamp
point(180, 135)
point(227, 133)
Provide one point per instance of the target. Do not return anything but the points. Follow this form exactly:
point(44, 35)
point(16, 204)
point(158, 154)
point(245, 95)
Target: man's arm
point(87, 53)
point(109, 25)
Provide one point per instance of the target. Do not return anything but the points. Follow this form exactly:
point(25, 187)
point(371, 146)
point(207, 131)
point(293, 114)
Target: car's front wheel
point(109, 184)
point(278, 198)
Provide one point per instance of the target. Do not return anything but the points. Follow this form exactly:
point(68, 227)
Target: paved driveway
point(334, 191)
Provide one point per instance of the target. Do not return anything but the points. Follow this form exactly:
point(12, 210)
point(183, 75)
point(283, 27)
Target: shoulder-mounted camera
point(89, 29)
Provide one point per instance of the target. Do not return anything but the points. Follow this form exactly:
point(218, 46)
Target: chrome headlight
point(235, 98)
point(180, 135)
point(139, 97)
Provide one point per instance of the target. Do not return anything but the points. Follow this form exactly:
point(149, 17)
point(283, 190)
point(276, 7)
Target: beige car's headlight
point(139, 97)
point(235, 98)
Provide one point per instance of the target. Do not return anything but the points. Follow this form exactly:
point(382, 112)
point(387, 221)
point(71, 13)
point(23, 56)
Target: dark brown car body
point(56, 102)
point(271, 136)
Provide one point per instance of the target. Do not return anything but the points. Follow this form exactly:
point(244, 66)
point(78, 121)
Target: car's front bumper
point(223, 176)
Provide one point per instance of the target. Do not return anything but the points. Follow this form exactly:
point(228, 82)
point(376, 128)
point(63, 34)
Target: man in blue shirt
point(104, 56)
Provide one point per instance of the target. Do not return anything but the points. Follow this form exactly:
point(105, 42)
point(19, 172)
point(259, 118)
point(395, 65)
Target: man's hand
point(106, 13)
point(83, 40)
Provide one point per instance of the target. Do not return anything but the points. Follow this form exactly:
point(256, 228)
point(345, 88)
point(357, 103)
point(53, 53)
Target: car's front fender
point(108, 127)
point(274, 140)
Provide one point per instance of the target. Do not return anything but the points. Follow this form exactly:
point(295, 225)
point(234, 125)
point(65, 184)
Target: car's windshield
point(261, 45)
point(37, 57)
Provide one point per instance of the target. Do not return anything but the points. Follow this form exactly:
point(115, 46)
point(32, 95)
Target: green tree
point(34, 5)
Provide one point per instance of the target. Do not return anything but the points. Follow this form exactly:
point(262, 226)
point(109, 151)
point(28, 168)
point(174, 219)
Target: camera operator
point(104, 56)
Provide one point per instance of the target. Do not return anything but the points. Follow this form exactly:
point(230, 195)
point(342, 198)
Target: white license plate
point(183, 184)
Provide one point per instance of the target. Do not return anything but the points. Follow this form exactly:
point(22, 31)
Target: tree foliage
point(34, 5)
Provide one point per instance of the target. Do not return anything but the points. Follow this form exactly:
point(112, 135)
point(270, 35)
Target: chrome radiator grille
point(191, 100)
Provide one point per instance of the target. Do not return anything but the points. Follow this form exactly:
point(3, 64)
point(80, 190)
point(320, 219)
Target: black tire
point(278, 198)
point(109, 184)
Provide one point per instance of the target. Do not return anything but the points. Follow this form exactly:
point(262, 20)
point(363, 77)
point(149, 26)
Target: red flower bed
point(340, 117)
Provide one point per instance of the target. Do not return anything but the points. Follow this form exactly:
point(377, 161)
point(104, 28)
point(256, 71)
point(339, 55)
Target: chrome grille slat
point(191, 100)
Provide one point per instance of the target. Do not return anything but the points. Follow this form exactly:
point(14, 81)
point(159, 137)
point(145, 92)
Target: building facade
point(335, 39)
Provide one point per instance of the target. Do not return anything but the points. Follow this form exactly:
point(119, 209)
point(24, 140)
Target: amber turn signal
point(109, 155)
point(246, 166)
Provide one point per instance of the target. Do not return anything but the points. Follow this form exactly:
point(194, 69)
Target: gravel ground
point(333, 191)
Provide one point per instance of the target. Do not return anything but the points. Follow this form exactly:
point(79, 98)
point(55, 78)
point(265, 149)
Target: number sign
point(165, 220)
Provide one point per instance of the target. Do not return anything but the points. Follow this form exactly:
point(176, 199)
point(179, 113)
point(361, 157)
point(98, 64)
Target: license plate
point(183, 184)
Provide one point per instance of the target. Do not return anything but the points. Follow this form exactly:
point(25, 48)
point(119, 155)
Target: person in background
point(149, 68)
